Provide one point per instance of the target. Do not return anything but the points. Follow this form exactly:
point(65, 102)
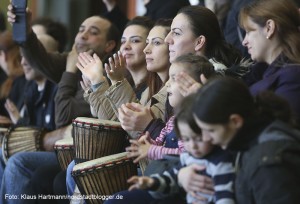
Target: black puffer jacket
point(269, 166)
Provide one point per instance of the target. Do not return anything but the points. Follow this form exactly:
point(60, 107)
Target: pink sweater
point(157, 149)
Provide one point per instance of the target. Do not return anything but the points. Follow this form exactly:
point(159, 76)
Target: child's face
point(174, 95)
point(193, 142)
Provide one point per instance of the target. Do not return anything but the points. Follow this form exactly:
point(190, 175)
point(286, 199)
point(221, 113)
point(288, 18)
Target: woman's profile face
point(157, 51)
point(217, 134)
point(181, 38)
point(256, 40)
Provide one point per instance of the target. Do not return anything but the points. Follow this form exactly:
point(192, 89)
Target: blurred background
point(73, 12)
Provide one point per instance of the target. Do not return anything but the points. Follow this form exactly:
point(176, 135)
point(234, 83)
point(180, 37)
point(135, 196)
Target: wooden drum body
point(21, 139)
point(95, 138)
point(65, 152)
point(104, 176)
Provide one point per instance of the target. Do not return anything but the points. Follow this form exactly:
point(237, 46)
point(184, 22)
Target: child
point(218, 163)
point(167, 142)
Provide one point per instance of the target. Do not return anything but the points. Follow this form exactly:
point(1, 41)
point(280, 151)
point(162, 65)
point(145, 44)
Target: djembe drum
point(5, 123)
point(104, 176)
point(95, 138)
point(21, 139)
point(65, 152)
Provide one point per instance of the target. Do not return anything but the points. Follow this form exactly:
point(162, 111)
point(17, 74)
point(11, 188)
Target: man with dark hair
point(92, 37)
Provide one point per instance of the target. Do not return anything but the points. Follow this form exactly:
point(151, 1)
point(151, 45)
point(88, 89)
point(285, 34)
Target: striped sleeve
point(157, 152)
point(223, 175)
point(166, 130)
point(167, 185)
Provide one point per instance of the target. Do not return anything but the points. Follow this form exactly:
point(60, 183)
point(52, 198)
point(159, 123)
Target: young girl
point(167, 142)
point(218, 165)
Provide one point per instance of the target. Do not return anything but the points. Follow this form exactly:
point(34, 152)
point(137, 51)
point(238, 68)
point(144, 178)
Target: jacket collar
point(247, 136)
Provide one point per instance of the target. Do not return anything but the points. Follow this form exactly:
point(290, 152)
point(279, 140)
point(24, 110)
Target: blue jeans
point(16, 181)
point(69, 179)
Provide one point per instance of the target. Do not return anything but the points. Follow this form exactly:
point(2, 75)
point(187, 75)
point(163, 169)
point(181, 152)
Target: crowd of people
point(215, 84)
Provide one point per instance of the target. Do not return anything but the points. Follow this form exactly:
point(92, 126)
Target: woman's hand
point(142, 182)
point(139, 150)
point(187, 85)
point(134, 116)
point(116, 69)
point(91, 67)
point(12, 110)
point(193, 182)
point(144, 138)
point(86, 84)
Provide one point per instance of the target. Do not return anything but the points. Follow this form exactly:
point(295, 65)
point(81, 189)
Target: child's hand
point(143, 182)
point(187, 85)
point(144, 138)
point(138, 150)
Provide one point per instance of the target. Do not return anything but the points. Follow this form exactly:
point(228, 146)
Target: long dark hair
point(147, 23)
point(204, 22)
point(224, 96)
point(154, 82)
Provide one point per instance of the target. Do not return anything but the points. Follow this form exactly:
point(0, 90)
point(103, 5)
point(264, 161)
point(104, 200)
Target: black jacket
point(269, 166)
point(39, 106)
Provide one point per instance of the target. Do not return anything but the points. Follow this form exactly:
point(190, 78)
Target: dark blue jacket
point(282, 78)
point(39, 106)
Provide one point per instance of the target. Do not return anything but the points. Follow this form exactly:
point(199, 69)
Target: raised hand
point(11, 16)
point(85, 83)
point(187, 85)
point(134, 116)
point(91, 67)
point(116, 69)
point(12, 110)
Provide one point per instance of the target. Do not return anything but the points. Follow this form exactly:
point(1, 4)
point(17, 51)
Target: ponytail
point(269, 105)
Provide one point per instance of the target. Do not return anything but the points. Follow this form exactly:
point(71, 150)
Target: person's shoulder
point(290, 72)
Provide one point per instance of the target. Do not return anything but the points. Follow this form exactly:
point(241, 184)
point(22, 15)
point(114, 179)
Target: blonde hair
point(286, 16)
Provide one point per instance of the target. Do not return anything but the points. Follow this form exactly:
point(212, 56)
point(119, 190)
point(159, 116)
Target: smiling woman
point(272, 37)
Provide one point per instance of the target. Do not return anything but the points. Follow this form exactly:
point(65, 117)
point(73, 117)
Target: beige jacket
point(106, 100)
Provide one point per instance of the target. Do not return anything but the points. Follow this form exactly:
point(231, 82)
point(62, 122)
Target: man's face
point(92, 35)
